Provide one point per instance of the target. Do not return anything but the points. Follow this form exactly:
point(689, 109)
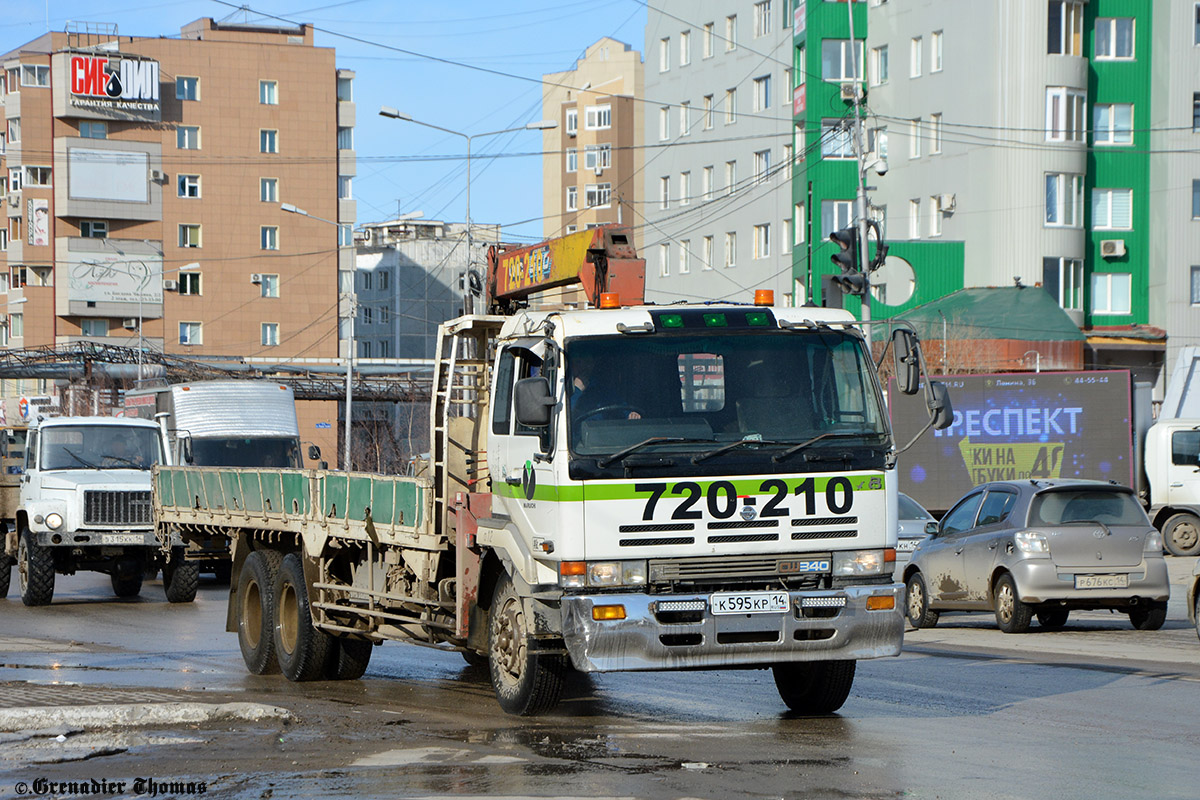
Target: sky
point(392, 47)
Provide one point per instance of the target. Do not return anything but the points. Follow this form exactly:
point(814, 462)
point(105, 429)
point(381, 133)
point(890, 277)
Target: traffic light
point(847, 256)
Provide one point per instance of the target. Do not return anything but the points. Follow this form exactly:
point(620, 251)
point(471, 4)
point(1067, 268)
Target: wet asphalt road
point(1097, 710)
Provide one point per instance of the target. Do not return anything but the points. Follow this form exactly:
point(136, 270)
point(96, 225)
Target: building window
point(1064, 200)
point(762, 166)
point(345, 138)
point(914, 219)
point(93, 130)
point(37, 176)
point(762, 241)
point(706, 183)
point(268, 190)
point(731, 33)
point(730, 106)
point(35, 75)
point(706, 252)
point(762, 93)
point(730, 176)
point(18, 277)
point(788, 75)
point(189, 283)
point(1112, 209)
point(572, 159)
point(3, 249)
point(1063, 279)
point(707, 39)
point(16, 325)
point(598, 195)
point(1065, 114)
point(935, 51)
point(664, 123)
point(762, 19)
point(572, 121)
point(664, 263)
point(189, 235)
point(841, 60)
point(1112, 123)
point(597, 118)
point(93, 228)
point(187, 137)
point(345, 187)
point(1114, 37)
point(785, 241)
point(191, 333)
point(835, 215)
point(1196, 30)
point(94, 327)
point(270, 334)
point(879, 65)
point(364, 349)
point(836, 139)
point(708, 112)
point(187, 88)
point(14, 230)
point(1111, 292)
point(685, 122)
point(685, 255)
point(189, 185)
point(1195, 199)
point(1065, 28)
point(1195, 286)
point(1195, 112)
point(571, 229)
point(685, 188)
point(801, 66)
point(268, 95)
point(268, 237)
point(664, 192)
point(915, 57)
point(268, 141)
point(914, 138)
point(14, 130)
point(800, 222)
point(935, 215)
point(385, 348)
point(345, 235)
point(685, 48)
point(572, 198)
point(664, 54)
point(345, 90)
point(935, 133)
point(731, 249)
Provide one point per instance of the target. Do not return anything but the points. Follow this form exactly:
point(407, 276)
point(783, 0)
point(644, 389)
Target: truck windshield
point(782, 388)
point(254, 452)
point(99, 447)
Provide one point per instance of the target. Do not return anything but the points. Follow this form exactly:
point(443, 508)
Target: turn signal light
point(608, 612)
point(764, 297)
point(610, 300)
point(881, 603)
point(889, 555)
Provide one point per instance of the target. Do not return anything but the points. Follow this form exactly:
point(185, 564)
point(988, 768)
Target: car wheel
point(916, 603)
point(1181, 535)
point(1148, 616)
point(1012, 614)
point(1053, 617)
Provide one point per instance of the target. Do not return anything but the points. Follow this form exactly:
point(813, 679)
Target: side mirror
point(314, 452)
point(907, 360)
point(185, 445)
point(941, 411)
point(533, 402)
point(931, 528)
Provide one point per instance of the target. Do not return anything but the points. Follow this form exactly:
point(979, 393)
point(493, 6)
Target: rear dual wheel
point(256, 610)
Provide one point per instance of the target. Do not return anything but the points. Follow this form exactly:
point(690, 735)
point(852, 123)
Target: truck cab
point(84, 503)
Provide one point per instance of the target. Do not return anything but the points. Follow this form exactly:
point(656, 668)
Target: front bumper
point(95, 538)
point(1041, 580)
point(648, 640)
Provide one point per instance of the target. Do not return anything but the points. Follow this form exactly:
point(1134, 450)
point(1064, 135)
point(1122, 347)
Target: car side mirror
point(314, 452)
point(907, 360)
point(186, 447)
point(941, 410)
point(533, 401)
point(931, 528)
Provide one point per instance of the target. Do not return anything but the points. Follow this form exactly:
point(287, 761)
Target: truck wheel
point(301, 650)
point(1181, 535)
point(128, 586)
point(348, 659)
point(6, 564)
point(1053, 617)
point(256, 611)
point(1012, 614)
point(180, 578)
point(35, 571)
point(1148, 616)
point(916, 603)
point(525, 682)
point(814, 688)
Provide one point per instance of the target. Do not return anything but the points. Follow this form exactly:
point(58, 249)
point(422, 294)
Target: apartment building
point(716, 219)
point(1043, 142)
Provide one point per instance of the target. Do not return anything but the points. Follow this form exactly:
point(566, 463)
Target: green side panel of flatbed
point(297, 498)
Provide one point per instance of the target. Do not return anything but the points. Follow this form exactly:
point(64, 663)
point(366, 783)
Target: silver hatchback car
point(1041, 548)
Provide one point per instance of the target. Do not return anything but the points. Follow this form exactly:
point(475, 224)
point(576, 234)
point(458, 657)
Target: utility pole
point(860, 203)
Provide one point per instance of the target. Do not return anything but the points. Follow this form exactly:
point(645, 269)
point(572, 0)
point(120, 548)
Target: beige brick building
point(142, 184)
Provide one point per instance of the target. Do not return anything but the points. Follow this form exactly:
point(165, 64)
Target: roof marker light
point(610, 300)
point(764, 297)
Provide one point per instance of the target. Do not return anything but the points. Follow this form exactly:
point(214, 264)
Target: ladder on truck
point(458, 412)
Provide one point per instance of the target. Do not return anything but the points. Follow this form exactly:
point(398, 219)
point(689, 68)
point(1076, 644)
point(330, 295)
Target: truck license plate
point(749, 603)
point(123, 538)
point(1101, 581)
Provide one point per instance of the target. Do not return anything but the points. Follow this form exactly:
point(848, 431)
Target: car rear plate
point(748, 602)
point(906, 545)
point(1101, 581)
point(123, 538)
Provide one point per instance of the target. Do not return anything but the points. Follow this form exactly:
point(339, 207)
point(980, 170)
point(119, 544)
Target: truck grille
point(116, 508)
point(719, 569)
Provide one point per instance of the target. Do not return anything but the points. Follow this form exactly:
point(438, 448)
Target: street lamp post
point(353, 308)
point(540, 125)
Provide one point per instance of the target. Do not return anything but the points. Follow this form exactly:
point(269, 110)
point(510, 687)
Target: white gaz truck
point(620, 487)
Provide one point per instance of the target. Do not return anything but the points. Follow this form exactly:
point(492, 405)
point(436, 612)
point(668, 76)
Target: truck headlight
point(578, 574)
point(861, 563)
point(54, 521)
point(1031, 542)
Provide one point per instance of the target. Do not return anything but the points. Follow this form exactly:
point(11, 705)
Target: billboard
point(1016, 427)
point(39, 221)
point(113, 278)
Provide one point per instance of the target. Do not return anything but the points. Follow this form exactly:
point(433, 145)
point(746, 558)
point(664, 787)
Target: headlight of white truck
point(601, 574)
point(863, 563)
point(54, 521)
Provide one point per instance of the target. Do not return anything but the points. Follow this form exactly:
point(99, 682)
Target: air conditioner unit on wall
point(849, 91)
point(129, 323)
point(157, 175)
point(14, 199)
point(170, 286)
point(1112, 248)
point(948, 201)
point(255, 277)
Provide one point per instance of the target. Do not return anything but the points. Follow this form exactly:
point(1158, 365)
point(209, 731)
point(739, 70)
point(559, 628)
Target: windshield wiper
point(696, 459)
point(617, 456)
point(791, 451)
point(122, 459)
point(79, 458)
